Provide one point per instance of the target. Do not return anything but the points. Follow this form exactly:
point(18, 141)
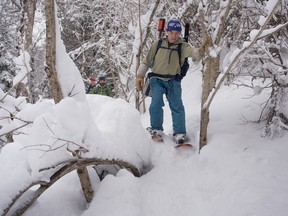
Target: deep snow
point(238, 173)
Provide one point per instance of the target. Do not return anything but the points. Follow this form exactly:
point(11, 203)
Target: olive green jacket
point(166, 60)
point(102, 90)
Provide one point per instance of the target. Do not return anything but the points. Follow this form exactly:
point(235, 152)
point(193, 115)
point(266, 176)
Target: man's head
point(102, 80)
point(173, 30)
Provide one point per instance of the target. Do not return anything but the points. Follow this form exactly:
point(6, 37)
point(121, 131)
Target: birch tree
point(214, 73)
point(25, 40)
point(51, 51)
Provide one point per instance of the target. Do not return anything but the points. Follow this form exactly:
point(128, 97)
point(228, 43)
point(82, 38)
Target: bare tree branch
point(236, 57)
point(70, 166)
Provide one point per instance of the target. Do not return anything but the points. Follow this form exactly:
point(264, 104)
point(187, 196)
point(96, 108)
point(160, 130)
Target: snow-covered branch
point(24, 69)
point(268, 32)
point(254, 35)
point(68, 167)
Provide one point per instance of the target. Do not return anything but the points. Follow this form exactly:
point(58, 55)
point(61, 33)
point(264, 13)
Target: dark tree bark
point(51, 51)
point(85, 183)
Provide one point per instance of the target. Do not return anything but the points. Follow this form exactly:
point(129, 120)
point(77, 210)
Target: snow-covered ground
point(239, 173)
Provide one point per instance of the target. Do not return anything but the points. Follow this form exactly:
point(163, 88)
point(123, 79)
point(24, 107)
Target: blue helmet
point(174, 25)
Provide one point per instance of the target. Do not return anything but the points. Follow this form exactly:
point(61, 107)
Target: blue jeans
point(172, 89)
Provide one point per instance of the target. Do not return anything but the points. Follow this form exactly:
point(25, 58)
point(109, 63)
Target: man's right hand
point(139, 83)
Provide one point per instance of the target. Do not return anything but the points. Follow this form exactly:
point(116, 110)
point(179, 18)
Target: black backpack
point(183, 69)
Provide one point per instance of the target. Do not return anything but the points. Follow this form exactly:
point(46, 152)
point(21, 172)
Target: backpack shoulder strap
point(179, 50)
point(157, 48)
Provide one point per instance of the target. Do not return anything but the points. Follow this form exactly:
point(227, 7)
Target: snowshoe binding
point(156, 135)
point(182, 140)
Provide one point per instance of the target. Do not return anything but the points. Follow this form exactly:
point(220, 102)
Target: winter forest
point(56, 139)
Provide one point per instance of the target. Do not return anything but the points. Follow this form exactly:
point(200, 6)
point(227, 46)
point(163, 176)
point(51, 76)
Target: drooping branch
point(69, 166)
point(18, 195)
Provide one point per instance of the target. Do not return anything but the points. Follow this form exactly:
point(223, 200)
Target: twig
point(15, 129)
point(48, 126)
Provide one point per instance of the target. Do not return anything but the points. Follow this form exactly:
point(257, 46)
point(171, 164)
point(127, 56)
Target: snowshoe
point(182, 140)
point(156, 135)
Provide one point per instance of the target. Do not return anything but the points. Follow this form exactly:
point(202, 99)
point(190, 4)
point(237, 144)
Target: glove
point(139, 83)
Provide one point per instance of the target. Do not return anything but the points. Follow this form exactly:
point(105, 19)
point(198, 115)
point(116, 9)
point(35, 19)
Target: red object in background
point(161, 26)
point(93, 79)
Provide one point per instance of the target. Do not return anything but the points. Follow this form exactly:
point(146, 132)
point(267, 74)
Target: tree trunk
point(212, 70)
point(138, 57)
point(85, 183)
point(109, 61)
point(55, 85)
point(25, 40)
point(51, 51)
point(210, 74)
point(143, 43)
point(29, 7)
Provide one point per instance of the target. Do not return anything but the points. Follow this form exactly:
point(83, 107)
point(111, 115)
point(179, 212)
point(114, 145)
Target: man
point(102, 88)
point(92, 84)
point(165, 65)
